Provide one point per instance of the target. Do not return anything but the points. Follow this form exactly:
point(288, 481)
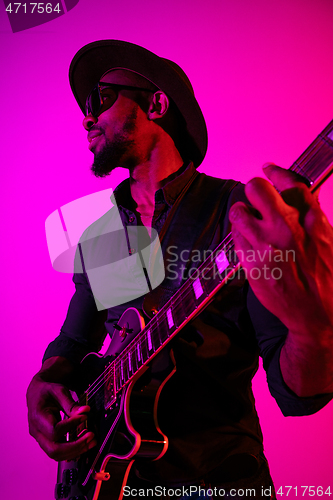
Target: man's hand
point(285, 244)
point(45, 399)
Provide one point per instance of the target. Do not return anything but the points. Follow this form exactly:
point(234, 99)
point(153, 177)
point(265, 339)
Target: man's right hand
point(46, 397)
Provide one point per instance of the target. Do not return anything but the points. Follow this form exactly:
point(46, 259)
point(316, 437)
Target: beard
point(110, 157)
point(115, 152)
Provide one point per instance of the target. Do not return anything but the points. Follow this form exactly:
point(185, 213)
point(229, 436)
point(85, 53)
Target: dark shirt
point(207, 408)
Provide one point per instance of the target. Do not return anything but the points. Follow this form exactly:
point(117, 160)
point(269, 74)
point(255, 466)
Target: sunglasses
point(104, 95)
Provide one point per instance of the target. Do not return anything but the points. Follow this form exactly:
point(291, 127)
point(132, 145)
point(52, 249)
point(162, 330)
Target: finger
point(316, 195)
point(242, 245)
point(281, 178)
point(293, 193)
point(67, 425)
point(64, 398)
point(264, 198)
point(68, 450)
point(77, 409)
point(246, 224)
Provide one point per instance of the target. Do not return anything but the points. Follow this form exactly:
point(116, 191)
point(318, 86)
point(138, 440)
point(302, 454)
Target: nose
point(89, 121)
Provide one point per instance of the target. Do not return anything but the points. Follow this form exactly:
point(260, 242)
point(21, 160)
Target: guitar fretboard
point(315, 165)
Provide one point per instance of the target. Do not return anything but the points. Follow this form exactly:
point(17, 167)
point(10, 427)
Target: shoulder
point(234, 190)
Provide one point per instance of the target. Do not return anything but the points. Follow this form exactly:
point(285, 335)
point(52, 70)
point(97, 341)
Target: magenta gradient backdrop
point(263, 75)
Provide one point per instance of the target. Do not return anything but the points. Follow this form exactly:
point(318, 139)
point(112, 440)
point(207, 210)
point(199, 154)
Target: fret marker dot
point(221, 262)
point(198, 291)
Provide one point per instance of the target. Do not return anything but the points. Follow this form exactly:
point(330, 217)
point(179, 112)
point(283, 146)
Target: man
point(141, 114)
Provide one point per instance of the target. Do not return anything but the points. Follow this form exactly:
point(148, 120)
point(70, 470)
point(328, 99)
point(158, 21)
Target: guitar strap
point(188, 231)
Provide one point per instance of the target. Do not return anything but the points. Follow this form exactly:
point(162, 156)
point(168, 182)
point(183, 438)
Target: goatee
point(110, 157)
point(114, 153)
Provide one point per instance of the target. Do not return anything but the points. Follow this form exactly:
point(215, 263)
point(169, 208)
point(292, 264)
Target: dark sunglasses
point(98, 98)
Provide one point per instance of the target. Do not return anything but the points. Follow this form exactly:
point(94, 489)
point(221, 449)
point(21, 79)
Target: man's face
point(114, 135)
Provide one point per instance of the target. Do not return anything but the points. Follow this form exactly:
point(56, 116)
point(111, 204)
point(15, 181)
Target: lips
point(93, 135)
point(93, 138)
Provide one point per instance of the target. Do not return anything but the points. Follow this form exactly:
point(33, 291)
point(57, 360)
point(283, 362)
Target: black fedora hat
point(95, 59)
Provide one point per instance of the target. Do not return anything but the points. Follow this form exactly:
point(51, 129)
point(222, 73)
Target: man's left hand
point(285, 244)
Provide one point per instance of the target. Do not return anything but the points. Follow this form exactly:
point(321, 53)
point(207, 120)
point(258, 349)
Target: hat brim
point(95, 59)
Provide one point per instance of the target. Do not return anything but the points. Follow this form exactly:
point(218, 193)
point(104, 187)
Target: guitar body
point(126, 428)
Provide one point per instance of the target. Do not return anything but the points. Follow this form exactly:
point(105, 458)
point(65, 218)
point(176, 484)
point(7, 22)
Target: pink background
point(263, 74)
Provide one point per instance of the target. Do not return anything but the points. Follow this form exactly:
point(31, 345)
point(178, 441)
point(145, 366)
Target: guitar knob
point(61, 491)
point(70, 476)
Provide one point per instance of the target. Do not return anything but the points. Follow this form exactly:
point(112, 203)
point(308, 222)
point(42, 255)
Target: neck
point(152, 174)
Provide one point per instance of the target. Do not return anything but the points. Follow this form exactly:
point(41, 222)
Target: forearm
point(307, 363)
point(56, 369)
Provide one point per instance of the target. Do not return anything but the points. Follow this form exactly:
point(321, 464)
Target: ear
point(158, 106)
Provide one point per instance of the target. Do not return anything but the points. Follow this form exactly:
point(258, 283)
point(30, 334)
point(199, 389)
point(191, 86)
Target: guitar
point(121, 390)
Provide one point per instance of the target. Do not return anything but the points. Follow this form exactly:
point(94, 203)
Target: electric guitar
point(122, 392)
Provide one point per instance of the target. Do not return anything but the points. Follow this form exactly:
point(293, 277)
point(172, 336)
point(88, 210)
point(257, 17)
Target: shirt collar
point(168, 193)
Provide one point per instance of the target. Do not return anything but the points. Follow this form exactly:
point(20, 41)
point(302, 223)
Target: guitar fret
point(155, 332)
point(109, 386)
point(130, 363)
point(319, 160)
point(118, 381)
point(316, 159)
point(134, 360)
point(180, 309)
point(125, 370)
point(232, 257)
point(298, 169)
point(150, 343)
point(144, 347)
point(164, 328)
point(138, 349)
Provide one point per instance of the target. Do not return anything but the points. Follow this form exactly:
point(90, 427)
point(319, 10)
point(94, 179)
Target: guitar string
point(141, 338)
point(319, 141)
point(318, 144)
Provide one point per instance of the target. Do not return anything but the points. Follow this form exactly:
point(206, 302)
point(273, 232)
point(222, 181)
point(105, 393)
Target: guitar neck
point(315, 165)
